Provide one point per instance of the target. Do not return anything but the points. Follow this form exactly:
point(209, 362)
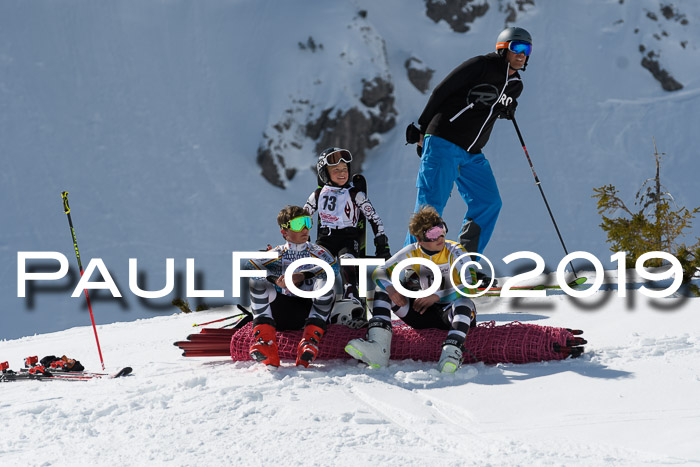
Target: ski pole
point(238, 323)
point(66, 209)
point(219, 320)
point(247, 317)
point(539, 185)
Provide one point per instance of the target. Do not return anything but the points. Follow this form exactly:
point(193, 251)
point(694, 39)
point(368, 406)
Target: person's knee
point(491, 204)
point(258, 286)
point(325, 299)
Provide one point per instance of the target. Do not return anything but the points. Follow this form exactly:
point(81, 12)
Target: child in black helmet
point(339, 205)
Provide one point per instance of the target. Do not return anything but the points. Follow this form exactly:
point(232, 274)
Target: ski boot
point(375, 348)
point(308, 347)
point(264, 349)
point(451, 357)
point(307, 351)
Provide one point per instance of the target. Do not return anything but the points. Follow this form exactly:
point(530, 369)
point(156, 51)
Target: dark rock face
point(364, 108)
point(266, 160)
point(651, 54)
point(354, 128)
point(310, 44)
point(671, 13)
point(272, 164)
point(668, 82)
point(457, 13)
point(418, 74)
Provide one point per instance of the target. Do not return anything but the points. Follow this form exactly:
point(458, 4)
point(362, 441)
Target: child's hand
point(423, 303)
point(297, 278)
point(396, 297)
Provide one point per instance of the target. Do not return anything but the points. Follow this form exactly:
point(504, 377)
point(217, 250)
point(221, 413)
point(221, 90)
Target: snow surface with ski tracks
point(631, 399)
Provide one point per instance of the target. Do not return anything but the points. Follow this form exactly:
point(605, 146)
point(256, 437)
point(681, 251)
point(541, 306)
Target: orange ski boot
point(308, 347)
point(264, 349)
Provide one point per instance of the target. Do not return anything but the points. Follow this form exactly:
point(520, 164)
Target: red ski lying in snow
point(510, 343)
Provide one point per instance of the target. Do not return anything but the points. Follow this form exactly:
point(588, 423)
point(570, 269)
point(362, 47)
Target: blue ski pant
point(442, 165)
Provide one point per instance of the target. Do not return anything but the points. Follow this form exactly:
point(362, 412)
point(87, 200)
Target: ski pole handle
point(66, 208)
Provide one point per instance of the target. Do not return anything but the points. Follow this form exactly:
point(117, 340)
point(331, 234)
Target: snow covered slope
point(631, 399)
point(151, 114)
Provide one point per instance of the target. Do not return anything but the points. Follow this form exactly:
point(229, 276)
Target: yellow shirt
point(451, 257)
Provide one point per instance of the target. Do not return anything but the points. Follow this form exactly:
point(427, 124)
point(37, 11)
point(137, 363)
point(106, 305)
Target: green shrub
point(654, 224)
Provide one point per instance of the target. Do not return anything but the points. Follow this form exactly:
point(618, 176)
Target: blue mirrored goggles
point(298, 224)
point(520, 47)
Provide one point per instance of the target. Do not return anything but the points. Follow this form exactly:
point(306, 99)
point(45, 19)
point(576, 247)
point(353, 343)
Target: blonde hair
point(422, 220)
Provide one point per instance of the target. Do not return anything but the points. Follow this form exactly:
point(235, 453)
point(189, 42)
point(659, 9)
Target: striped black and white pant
point(457, 317)
point(287, 312)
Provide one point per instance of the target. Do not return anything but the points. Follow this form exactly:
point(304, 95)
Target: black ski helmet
point(512, 34)
point(322, 164)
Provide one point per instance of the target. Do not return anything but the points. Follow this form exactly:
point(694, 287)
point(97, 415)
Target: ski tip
point(580, 281)
point(568, 351)
point(123, 372)
point(576, 341)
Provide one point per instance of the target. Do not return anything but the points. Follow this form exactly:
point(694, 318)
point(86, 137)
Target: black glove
point(508, 112)
point(382, 247)
point(412, 134)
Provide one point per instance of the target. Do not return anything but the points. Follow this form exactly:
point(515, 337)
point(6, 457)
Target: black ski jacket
point(464, 106)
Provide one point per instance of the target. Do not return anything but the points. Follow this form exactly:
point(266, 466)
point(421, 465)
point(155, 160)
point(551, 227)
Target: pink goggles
point(435, 233)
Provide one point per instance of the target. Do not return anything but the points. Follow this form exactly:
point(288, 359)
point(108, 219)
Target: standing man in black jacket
point(456, 124)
